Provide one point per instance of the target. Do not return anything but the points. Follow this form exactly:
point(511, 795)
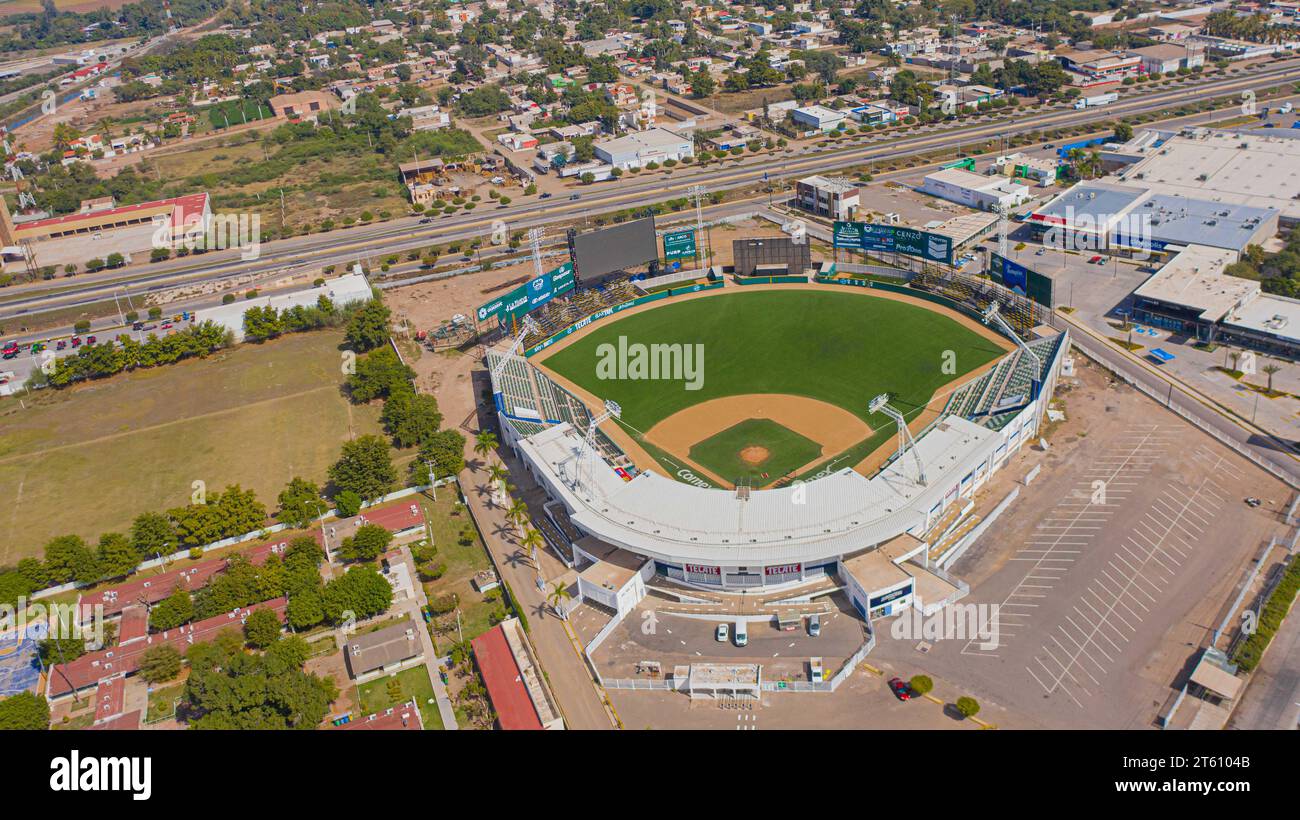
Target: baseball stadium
point(740, 434)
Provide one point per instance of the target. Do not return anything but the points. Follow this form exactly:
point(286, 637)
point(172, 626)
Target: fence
point(670, 278)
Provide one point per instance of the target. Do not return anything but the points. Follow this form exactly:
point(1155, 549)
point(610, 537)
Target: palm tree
point(485, 442)
point(559, 594)
point(495, 474)
point(518, 513)
point(531, 541)
point(1270, 369)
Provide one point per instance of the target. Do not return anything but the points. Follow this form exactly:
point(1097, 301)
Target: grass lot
point(462, 562)
point(162, 702)
point(788, 451)
point(89, 459)
point(374, 696)
point(841, 348)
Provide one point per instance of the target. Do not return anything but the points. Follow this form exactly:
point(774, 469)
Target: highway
point(342, 246)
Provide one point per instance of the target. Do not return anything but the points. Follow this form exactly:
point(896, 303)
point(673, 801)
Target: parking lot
point(1111, 568)
point(649, 633)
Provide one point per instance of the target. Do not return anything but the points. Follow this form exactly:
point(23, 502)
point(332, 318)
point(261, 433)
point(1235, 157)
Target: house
point(306, 105)
point(516, 141)
point(384, 650)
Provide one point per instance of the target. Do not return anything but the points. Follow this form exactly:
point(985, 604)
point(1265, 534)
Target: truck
point(1286, 108)
point(1092, 102)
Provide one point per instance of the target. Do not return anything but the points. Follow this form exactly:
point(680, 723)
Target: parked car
point(545, 195)
point(1095, 259)
point(723, 632)
point(59, 345)
point(90, 340)
point(815, 626)
point(575, 196)
point(167, 326)
point(76, 341)
point(900, 689)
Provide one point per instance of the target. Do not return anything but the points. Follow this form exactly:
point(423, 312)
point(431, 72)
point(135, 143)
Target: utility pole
point(433, 487)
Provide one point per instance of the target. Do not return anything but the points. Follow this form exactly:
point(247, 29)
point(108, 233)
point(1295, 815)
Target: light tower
point(535, 242)
point(697, 193)
point(612, 411)
point(993, 314)
point(880, 404)
point(527, 326)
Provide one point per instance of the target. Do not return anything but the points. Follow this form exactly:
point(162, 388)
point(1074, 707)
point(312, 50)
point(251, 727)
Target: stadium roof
point(840, 513)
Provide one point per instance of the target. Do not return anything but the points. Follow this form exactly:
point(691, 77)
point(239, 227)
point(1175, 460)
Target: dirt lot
point(1110, 569)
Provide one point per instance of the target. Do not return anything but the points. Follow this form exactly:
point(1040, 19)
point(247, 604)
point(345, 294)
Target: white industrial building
point(974, 190)
point(640, 148)
point(818, 118)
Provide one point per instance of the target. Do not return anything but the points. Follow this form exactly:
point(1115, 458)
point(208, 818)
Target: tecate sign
point(783, 569)
point(701, 569)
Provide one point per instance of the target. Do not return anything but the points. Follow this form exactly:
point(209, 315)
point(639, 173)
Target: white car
point(723, 633)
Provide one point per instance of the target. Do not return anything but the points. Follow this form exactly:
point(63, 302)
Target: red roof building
point(93, 667)
point(504, 681)
point(404, 717)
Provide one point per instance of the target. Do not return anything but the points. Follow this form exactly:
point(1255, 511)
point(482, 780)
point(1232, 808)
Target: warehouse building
point(343, 290)
point(974, 190)
point(817, 118)
point(643, 147)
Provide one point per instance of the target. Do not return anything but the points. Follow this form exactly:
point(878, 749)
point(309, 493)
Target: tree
point(361, 591)
point(366, 544)
point(1123, 132)
point(444, 451)
point(67, 558)
point(364, 467)
point(230, 688)
point(485, 442)
point(305, 610)
point(517, 514)
point(368, 327)
point(921, 684)
point(299, 503)
point(262, 323)
point(557, 597)
point(378, 375)
point(118, 557)
point(410, 418)
point(531, 540)
point(24, 710)
point(348, 504)
point(152, 534)
point(161, 662)
point(262, 628)
point(968, 706)
point(172, 611)
point(1270, 369)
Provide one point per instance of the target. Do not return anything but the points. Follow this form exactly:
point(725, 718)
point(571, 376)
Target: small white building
point(643, 147)
point(817, 118)
point(974, 190)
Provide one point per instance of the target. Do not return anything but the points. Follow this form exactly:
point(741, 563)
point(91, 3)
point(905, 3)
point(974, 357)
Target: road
point(346, 245)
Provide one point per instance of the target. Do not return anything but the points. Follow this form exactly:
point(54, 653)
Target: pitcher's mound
point(754, 455)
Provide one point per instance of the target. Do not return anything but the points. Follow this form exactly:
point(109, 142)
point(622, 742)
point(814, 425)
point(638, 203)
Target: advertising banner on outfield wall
point(679, 245)
point(529, 296)
point(865, 236)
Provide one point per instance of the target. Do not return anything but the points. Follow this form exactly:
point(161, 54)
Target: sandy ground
point(741, 411)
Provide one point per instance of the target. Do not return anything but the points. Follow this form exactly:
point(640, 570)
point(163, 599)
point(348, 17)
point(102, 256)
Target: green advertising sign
point(679, 245)
point(529, 296)
point(863, 236)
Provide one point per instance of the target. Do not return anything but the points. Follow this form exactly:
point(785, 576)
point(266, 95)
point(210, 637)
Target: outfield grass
point(87, 460)
point(788, 451)
point(841, 348)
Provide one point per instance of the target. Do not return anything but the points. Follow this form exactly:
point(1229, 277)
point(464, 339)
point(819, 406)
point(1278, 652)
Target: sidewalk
point(412, 607)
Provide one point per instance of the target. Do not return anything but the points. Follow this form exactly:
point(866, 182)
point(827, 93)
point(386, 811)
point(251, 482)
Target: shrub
point(968, 706)
point(921, 684)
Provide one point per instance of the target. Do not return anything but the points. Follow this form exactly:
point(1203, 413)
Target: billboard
point(679, 245)
point(597, 253)
point(1022, 280)
point(866, 236)
point(529, 296)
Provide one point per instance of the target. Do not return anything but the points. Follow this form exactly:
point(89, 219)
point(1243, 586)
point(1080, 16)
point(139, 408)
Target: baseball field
point(765, 384)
